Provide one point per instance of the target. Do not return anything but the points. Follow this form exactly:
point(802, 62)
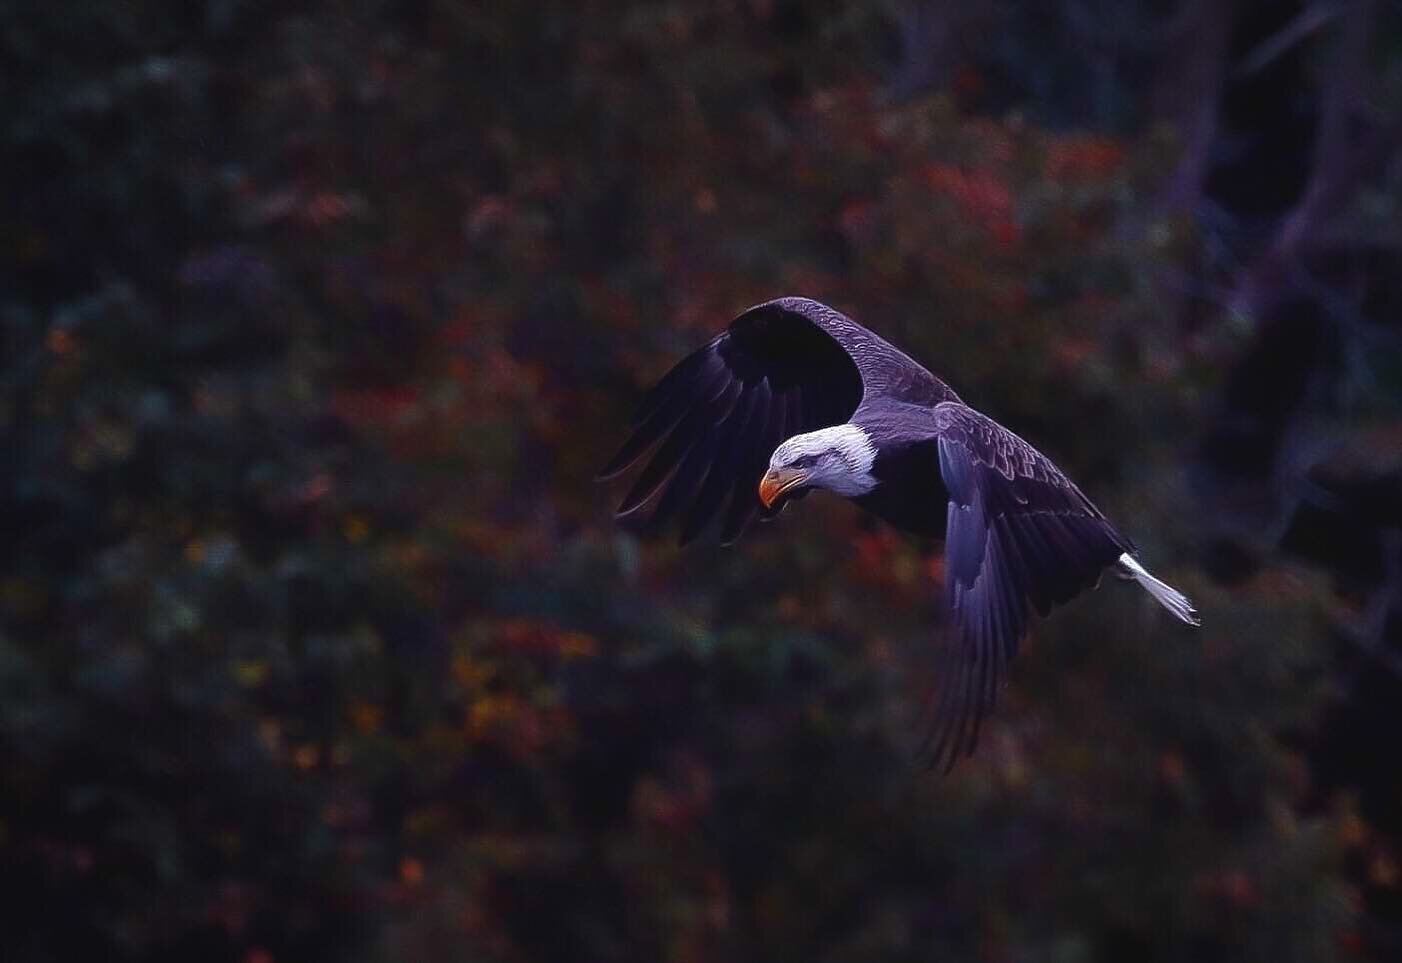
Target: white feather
point(844, 455)
point(1165, 594)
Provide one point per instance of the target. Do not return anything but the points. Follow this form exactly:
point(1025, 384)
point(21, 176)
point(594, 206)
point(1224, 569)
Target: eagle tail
point(1165, 594)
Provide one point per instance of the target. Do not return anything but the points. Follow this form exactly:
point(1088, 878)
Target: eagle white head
point(838, 459)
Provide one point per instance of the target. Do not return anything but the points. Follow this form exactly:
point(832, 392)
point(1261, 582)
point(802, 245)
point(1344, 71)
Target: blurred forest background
point(317, 639)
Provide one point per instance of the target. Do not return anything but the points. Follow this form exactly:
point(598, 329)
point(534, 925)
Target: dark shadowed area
point(318, 640)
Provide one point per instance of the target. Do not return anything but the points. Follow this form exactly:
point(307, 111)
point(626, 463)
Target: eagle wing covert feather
point(1020, 537)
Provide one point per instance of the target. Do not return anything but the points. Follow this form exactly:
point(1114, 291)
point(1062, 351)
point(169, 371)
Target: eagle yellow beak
point(777, 481)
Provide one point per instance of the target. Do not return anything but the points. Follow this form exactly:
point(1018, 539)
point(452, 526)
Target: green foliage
point(318, 641)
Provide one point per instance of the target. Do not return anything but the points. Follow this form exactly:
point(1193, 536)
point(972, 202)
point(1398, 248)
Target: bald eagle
point(795, 396)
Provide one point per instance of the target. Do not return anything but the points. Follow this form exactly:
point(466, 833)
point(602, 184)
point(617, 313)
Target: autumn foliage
point(318, 641)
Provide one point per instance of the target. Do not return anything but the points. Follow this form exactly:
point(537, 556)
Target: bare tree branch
point(1347, 152)
point(1188, 91)
point(1308, 22)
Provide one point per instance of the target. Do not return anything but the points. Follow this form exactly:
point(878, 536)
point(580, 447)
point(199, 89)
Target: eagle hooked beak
point(777, 482)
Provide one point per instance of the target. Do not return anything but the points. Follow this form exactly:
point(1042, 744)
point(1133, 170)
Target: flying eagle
point(793, 396)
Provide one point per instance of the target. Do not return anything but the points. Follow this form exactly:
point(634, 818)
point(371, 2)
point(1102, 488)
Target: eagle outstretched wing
point(1020, 537)
point(781, 368)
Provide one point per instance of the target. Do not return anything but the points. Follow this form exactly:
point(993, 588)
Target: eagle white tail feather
point(1166, 595)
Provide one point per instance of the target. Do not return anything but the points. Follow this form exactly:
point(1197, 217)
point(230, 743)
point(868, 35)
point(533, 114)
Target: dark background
point(317, 640)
